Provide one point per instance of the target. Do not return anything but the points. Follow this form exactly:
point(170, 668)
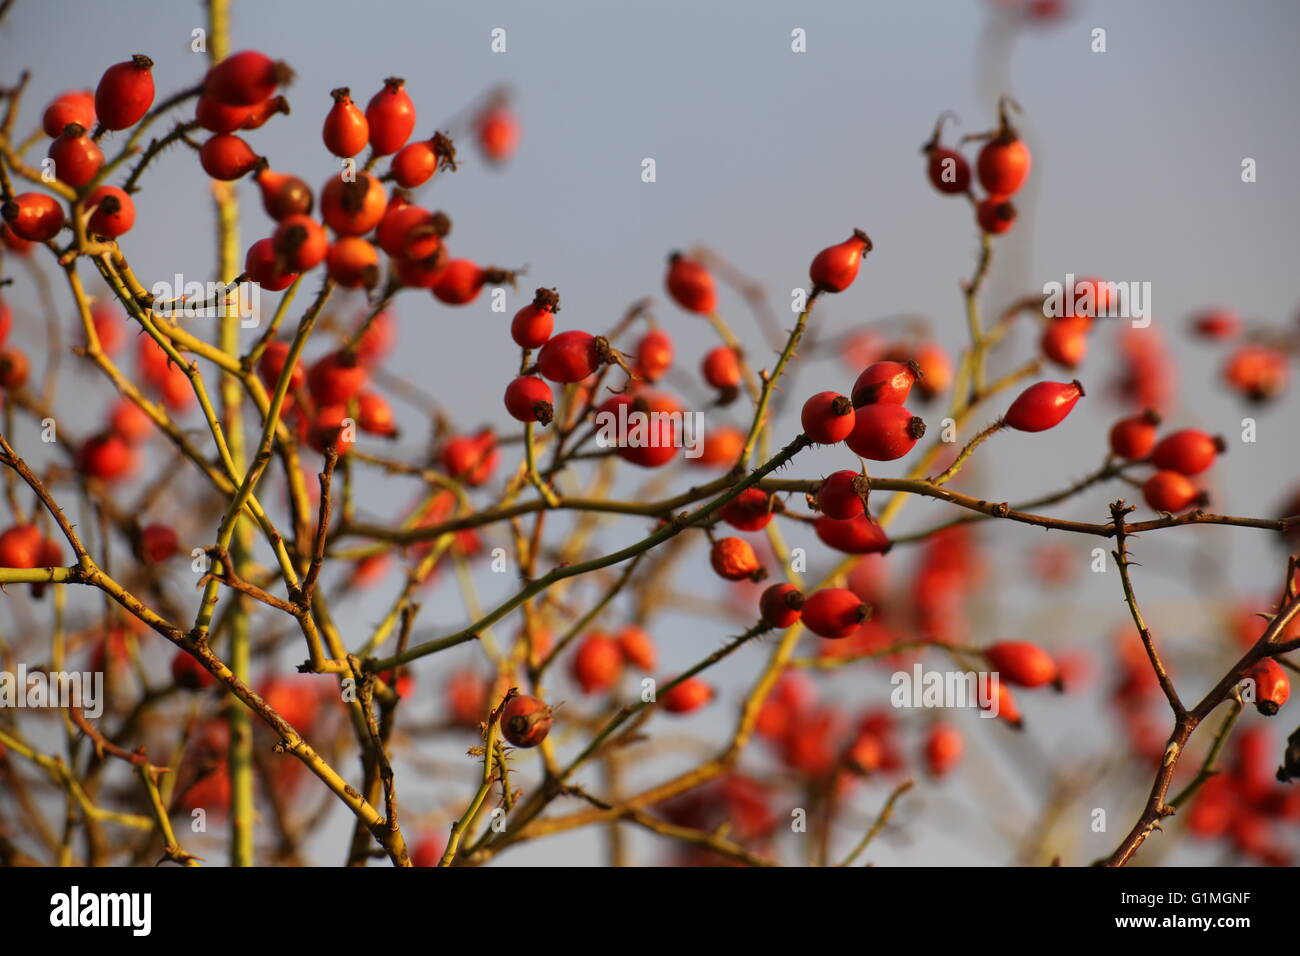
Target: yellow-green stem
point(241, 725)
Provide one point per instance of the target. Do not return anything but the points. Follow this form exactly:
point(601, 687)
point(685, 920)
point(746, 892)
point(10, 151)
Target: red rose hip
point(125, 93)
point(353, 208)
point(569, 357)
point(860, 535)
point(947, 169)
point(1272, 686)
point(114, 213)
point(283, 195)
point(834, 612)
point(638, 648)
point(20, 546)
point(1134, 437)
point(734, 559)
point(598, 663)
point(227, 157)
point(1003, 164)
point(300, 244)
point(884, 432)
point(1188, 451)
point(158, 542)
point(835, 267)
point(526, 720)
point(391, 117)
point(529, 399)
point(838, 496)
point(996, 215)
point(654, 355)
point(532, 325)
point(35, 217)
point(827, 418)
point(690, 285)
point(346, 130)
point(245, 78)
point(1170, 491)
point(691, 694)
point(885, 383)
point(943, 749)
point(1023, 663)
point(780, 605)
point(1043, 405)
point(75, 106)
point(751, 510)
point(77, 157)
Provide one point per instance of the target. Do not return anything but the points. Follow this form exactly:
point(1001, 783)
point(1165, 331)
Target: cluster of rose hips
point(598, 662)
point(948, 574)
point(1259, 368)
point(819, 740)
point(1064, 339)
point(1002, 167)
point(1137, 700)
point(123, 97)
point(203, 778)
point(107, 456)
point(874, 424)
point(239, 94)
point(1244, 805)
point(1177, 457)
point(826, 748)
point(574, 357)
point(323, 398)
point(839, 613)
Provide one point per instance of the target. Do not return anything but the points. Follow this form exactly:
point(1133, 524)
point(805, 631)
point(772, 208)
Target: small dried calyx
point(284, 76)
point(355, 192)
point(930, 145)
point(547, 299)
point(726, 395)
point(1006, 133)
point(445, 150)
point(109, 205)
point(441, 224)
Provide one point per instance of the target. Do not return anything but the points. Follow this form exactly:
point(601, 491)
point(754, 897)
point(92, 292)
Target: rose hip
point(780, 605)
point(526, 720)
point(690, 285)
point(884, 432)
point(885, 383)
point(529, 399)
point(834, 612)
point(1043, 406)
point(827, 418)
point(835, 267)
point(838, 496)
